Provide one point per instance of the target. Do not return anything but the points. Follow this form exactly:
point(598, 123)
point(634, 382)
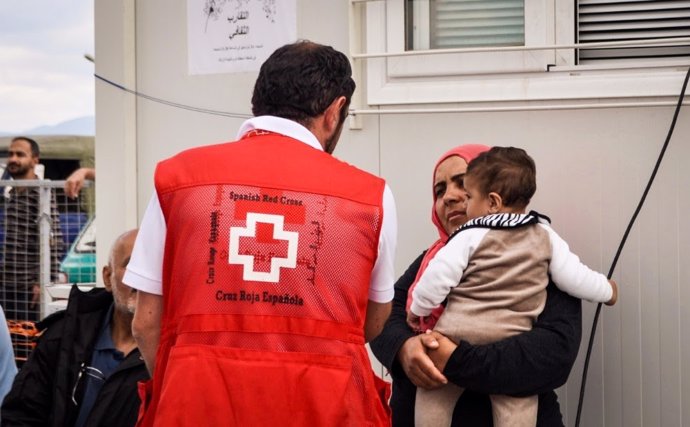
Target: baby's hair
point(508, 171)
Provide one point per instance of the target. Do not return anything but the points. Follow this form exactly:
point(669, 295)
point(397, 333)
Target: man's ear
point(106, 278)
point(332, 113)
point(495, 202)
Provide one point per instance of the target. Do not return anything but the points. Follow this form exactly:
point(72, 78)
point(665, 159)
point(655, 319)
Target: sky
point(44, 78)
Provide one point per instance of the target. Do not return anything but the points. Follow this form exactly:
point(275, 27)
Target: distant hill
point(79, 126)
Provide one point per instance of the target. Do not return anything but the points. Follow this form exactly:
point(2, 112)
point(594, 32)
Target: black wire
point(174, 104)
point(625, 238)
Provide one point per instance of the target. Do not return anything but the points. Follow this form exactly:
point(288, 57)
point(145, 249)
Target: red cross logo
point(247, 261)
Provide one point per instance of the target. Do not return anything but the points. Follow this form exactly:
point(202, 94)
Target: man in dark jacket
point(85, 369)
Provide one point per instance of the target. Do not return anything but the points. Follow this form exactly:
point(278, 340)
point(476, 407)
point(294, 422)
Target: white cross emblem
point(248, 260)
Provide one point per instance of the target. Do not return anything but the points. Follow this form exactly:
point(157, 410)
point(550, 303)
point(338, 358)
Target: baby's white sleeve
point(445, 271)
point(572, 276)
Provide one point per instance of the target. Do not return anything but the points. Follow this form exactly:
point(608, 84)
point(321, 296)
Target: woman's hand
point(416, 363)
point(439, 348)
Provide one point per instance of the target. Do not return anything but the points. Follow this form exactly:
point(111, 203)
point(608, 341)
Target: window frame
point(442, 79)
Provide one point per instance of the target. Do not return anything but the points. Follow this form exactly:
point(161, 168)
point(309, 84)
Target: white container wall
point(592, 166)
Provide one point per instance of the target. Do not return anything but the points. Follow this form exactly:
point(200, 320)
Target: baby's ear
point(495, 203)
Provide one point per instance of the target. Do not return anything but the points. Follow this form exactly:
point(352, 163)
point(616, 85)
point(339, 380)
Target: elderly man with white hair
point(85, 369)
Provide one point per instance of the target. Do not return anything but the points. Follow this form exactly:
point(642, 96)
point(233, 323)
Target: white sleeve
point(445, 270)
point(572, 276)
point(383, 274)
point(145, 268)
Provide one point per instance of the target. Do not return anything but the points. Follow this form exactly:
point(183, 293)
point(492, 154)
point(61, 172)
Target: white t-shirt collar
point(282, 126)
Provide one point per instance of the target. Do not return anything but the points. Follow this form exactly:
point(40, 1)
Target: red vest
point(268, 256)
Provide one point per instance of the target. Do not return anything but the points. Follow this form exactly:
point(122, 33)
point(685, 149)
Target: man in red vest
point(264, 265)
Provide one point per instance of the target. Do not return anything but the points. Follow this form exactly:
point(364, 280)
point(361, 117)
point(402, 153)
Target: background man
point(85, 369)
point(20, 289)
point(271, 261)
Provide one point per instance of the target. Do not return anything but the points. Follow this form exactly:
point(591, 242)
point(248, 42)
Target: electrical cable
point(173, 104)
point(625, 238)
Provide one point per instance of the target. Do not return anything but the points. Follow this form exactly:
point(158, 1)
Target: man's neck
point(121, 331)
point(21, 190)
point(29, 175)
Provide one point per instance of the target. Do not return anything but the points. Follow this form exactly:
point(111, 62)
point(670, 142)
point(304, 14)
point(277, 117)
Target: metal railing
point(41, 243)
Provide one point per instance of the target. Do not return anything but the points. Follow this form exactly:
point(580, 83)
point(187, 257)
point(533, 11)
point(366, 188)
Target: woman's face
point(449, 194)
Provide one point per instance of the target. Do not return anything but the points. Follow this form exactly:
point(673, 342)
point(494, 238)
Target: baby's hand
point(614, 294)
point(413, 321)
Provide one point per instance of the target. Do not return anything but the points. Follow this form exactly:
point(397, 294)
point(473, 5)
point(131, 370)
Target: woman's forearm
point(529, 363)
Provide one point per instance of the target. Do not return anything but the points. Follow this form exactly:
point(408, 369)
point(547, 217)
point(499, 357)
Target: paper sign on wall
point(230, 36)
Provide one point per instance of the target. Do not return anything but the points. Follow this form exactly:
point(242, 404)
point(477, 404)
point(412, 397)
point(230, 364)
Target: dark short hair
point(507, 171)
point(300, 80)
point(35, 150)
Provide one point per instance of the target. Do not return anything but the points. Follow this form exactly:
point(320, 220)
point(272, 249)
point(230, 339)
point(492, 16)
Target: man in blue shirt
point(85, 369)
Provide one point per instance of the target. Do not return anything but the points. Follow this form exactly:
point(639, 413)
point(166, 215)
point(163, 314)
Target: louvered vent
point(471, 23)
point(618, 20)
